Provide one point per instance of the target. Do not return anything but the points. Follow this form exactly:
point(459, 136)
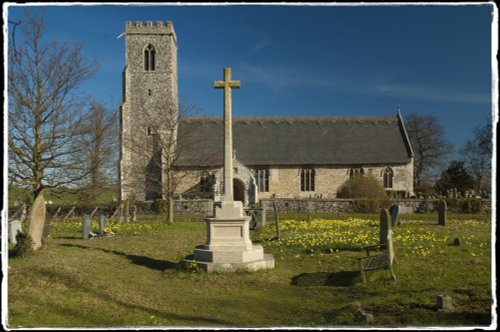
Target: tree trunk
point(170, 209)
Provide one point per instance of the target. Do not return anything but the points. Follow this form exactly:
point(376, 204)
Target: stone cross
point(228, 85)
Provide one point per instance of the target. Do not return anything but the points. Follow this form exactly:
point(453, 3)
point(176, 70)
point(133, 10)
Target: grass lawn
point(132, 279)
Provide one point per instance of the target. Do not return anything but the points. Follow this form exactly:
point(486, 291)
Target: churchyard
point(134, 279)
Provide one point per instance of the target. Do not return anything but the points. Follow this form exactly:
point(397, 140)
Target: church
point(283, 157)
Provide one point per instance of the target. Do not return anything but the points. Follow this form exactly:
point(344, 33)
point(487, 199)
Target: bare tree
point(477, 154)
point(99, 140)
point(166, 144)
point(44, 109)
point(429, 144)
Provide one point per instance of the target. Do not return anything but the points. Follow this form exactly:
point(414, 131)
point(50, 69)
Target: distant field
point(58, 196)
point(132, 279)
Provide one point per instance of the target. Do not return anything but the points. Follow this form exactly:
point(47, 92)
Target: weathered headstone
point(394, 210)
point(442, 209)
point(15, 226)
point(457, 242)
point(86, 226)
point(444, 302)
point(37, 220)
point(46, 226)
point(102, 224)
point(385, 225)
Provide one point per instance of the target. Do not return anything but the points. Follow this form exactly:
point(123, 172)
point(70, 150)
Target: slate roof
point(325, 140)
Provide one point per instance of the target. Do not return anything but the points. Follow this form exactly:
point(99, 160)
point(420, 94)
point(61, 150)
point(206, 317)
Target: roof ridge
point(291, 119)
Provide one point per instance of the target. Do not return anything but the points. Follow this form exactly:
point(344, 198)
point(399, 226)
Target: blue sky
point(307, 59)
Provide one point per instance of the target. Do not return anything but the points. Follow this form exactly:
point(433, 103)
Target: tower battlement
point(150, 27)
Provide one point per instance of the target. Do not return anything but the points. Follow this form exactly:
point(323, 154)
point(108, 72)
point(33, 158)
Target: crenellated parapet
point(150, 27)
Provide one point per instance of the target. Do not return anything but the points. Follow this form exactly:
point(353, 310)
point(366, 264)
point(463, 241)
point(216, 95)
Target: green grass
point(131, 279)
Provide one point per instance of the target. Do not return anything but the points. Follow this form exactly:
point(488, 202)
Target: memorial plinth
point(228, 246)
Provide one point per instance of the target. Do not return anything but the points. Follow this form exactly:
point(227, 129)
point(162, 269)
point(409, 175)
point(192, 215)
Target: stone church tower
point(150, 97)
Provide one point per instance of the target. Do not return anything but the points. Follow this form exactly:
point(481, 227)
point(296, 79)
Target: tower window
point(149, 58)
point(388, 177)
point(307, 179)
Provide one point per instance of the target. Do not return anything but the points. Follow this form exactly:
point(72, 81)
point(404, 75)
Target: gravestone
point(444, 302)
point(457, 242)
point(46, 227)
point(15, 226)
point(385, 225)
point(442, 209)
point(394, 210)
point(37, 220)
point(228, 246)
point(102, 224)
point(86, 226)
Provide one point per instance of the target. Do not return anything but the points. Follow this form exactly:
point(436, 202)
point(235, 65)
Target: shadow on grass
point(75, 282)
point(342, 278)
point(151, 263)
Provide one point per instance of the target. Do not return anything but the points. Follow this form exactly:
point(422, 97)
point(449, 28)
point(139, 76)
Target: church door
point(239, 190)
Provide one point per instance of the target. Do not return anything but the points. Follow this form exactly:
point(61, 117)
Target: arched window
point(356, 171)
point(307, 176)
point(149, 58)
point(388, 177)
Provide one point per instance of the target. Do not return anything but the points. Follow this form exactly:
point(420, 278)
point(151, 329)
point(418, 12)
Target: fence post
point(69, 213)
point(277, 219)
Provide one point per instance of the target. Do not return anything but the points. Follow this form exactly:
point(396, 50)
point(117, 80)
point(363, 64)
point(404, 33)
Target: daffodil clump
point(321, 235)
point(410, 238)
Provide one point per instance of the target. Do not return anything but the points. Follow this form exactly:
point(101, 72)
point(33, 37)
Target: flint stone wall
point(205, 207)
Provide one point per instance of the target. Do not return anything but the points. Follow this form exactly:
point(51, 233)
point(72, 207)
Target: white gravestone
point(15, 227)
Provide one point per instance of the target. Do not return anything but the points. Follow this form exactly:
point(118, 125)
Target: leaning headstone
point(385, 225)
point(444, 302)
point(102, 224)
point(36, 221)
point(46, 227)
point(86, 226)
point(394, 210)
point(15, 226)
point(442, 213)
